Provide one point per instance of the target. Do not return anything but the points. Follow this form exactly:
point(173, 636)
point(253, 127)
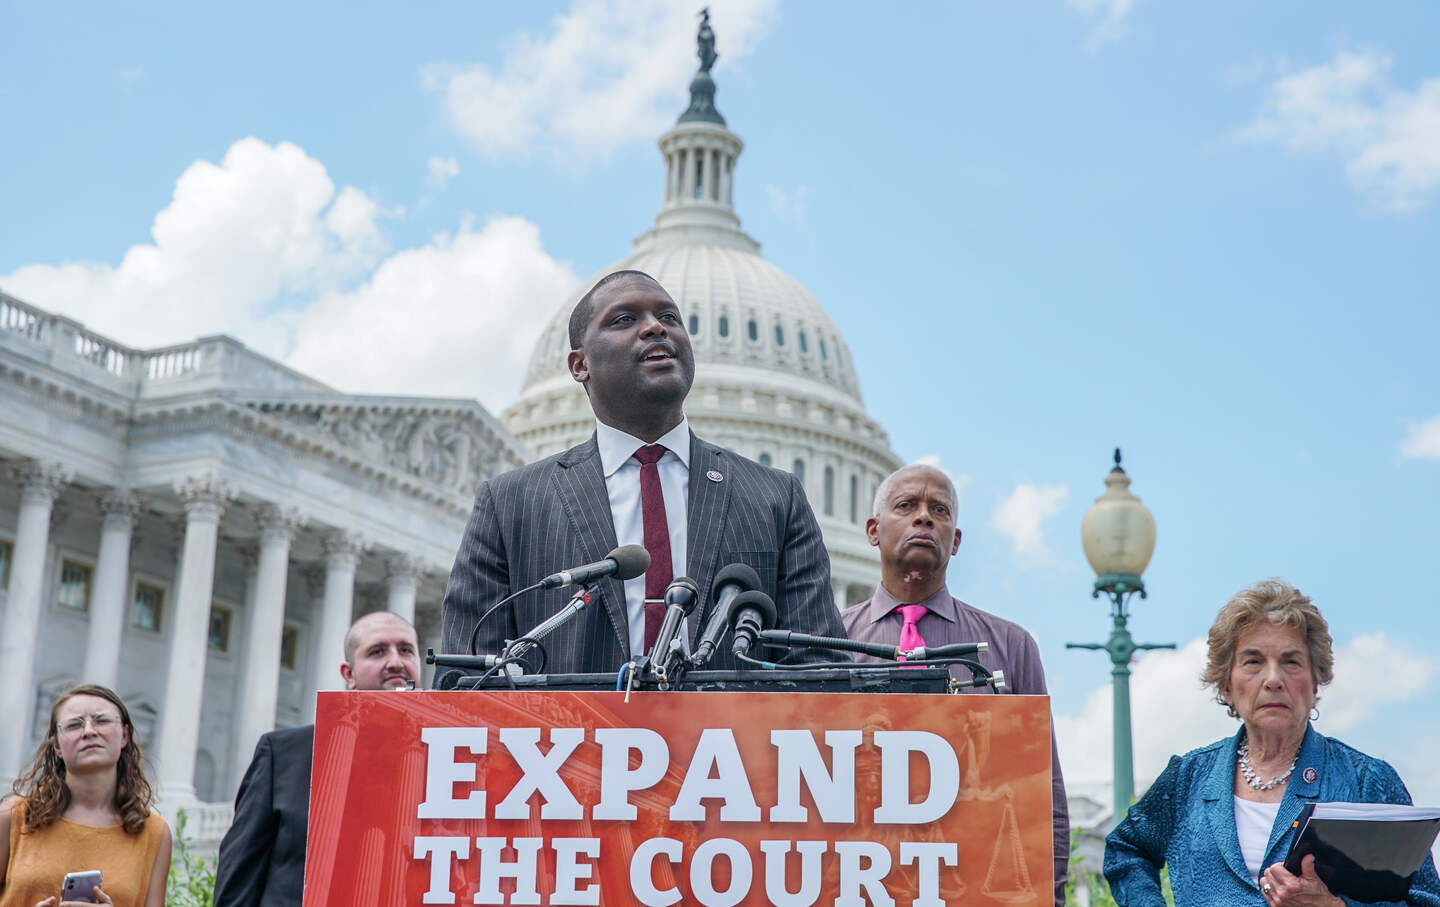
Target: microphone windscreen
point(760, 602)
point(630, 561)
point(742, 575)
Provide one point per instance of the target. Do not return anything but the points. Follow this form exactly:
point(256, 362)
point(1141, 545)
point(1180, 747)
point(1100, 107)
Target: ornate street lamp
point(1119, 536)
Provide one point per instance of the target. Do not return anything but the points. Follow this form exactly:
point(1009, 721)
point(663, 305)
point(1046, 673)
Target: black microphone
point(625, 562)
point(754, 611)
point(680, 599)
point(729, 583)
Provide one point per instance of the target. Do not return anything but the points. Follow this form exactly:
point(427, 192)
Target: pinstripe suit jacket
point(555, 514)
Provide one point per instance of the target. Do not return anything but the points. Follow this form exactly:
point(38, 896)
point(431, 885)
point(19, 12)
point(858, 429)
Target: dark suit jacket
point(555, 514)
point(262, 858)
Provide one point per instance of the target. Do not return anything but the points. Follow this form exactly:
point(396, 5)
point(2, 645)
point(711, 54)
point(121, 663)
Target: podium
point(559, 792)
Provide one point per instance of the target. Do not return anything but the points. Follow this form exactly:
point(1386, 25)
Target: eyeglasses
point(102, 723)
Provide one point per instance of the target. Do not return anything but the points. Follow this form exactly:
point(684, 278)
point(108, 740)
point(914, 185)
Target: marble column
point(342, 555)
point(260, 672)
point(40, 486)
point(402, 576)
point(204, 499)
point(707, 174)
point(112, 575)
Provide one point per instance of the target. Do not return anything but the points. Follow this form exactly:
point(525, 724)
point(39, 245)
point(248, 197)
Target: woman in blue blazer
point(1220, 816)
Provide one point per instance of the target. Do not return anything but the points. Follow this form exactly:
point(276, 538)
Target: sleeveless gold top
point(40, 860)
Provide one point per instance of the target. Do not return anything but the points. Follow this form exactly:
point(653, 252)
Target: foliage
point(191, 882)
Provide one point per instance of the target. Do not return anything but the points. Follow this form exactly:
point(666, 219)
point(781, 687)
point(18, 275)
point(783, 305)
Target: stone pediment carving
point(447, 446)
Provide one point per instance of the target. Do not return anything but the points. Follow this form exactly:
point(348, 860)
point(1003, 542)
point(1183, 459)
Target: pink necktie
point(910, 637)
point(657, 539)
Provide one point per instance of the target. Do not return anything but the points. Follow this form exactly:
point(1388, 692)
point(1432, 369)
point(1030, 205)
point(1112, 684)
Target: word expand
point(715, 772)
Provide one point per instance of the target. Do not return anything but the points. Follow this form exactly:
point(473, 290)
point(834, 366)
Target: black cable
point(475, 633)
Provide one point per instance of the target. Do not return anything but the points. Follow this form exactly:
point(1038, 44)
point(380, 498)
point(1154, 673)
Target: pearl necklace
point(1243, 757)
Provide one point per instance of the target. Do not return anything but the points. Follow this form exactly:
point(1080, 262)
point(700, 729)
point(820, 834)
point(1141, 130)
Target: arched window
point(798, 467)
point(854, 499)
point(804, 347)
point(754, 330)
point(694, 325)
point(724, 326)
point(824, 354)
point(829, 491)
point(764, 459)
point(779, 335)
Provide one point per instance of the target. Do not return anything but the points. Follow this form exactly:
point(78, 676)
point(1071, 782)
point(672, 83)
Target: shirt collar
point(941, 604)
point(617, 446)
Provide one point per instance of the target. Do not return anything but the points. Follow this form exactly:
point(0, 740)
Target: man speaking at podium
point(643, 478)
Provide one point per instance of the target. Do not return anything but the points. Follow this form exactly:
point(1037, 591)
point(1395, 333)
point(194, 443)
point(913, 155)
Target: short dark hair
point(585, 309)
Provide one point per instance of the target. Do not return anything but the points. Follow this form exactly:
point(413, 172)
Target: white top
point(1253, 822)
point(622, 482)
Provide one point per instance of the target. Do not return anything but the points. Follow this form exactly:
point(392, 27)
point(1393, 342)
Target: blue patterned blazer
point(1187, 820)
point(555, 514)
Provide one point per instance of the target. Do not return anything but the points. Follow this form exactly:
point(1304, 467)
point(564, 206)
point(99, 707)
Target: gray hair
point(882, 494)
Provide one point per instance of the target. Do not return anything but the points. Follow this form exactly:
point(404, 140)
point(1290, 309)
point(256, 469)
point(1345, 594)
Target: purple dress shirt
point(1012, 650)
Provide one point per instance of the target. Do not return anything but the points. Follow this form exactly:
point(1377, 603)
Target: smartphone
point(80, 886)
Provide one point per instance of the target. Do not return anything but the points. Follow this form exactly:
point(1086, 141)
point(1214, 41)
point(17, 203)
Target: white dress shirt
point(622, 483)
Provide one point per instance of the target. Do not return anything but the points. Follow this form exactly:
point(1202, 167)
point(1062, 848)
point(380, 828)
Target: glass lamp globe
point(1118, 531)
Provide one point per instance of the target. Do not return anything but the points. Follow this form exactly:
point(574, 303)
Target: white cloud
point(1169, 713)
point(235, 237)
point(1172, 714)
point(262, 247)
point(1109, 17)
point(442, 170)
point(1423, 442)
point(457, 317)
point(1388, 138)
point(1371, 672)
point(1021, 518)
point(606, 73)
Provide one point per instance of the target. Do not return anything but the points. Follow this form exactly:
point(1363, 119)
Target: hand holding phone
point(80, 887)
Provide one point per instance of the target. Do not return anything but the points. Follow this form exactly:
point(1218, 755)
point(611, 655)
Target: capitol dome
point(774, 379)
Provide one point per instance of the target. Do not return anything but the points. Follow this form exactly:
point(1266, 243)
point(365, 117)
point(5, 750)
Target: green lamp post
point(1119, 536)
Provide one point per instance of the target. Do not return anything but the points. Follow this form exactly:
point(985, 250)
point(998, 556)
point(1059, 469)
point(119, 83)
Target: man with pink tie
point(913, 525)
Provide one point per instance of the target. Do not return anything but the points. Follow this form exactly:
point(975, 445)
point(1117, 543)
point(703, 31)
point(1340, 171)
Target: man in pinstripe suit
point(630, 351)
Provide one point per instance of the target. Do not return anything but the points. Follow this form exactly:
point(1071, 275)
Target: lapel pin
point(1310, 775)
point(714, 476)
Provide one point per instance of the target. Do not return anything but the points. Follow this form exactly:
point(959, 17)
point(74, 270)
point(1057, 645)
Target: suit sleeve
point(479, 579)
point(244, 860)
point(807, 601)
point(1029, 679)
point(1135, 850)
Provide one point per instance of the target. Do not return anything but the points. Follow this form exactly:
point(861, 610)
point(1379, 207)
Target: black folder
point(1366, 851)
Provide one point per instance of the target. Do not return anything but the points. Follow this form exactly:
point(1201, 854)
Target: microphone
point(952, 650)
point(625, 562)
point(527, 641)
point(729, 583)
point(754, 611)
point(680, 600)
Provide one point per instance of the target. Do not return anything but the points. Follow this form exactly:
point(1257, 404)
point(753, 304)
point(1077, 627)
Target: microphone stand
point(933, 656)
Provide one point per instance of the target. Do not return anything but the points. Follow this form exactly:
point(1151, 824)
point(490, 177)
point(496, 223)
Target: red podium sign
point(717, 799)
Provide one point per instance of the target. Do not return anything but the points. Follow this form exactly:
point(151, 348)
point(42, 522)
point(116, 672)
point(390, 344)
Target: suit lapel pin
point(714, 476)
point(1310, 775)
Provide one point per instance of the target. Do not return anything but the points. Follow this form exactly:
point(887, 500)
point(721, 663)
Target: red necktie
point(910, 631)
point(657, 539)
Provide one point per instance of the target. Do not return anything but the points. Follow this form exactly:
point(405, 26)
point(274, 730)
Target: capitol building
point(196, 526)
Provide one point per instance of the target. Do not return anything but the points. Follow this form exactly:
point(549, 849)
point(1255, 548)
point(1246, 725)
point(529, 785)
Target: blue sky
point(1204, 232)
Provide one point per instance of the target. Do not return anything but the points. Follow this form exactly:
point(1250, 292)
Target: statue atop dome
point(702, 87)
point(706, 39)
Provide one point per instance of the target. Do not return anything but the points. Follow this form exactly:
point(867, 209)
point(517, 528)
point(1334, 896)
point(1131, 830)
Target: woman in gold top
point(83, 803)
